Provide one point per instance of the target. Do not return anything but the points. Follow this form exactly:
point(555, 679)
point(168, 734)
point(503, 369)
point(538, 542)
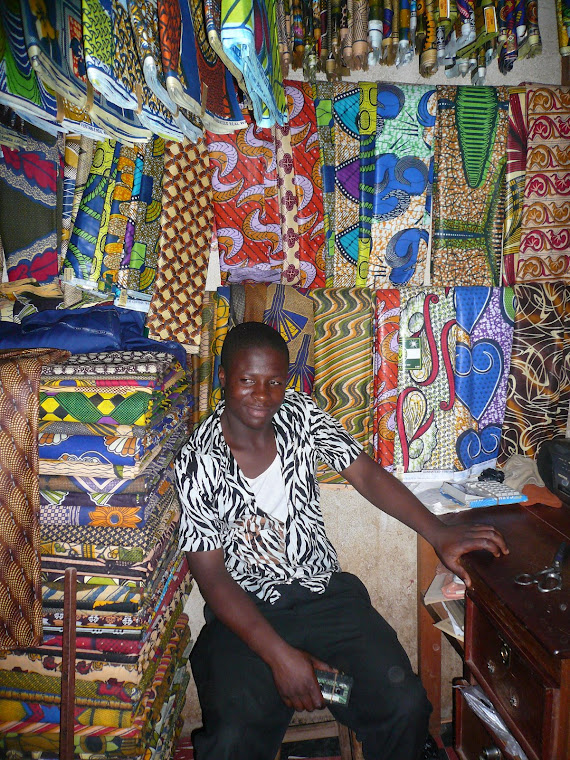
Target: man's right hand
point(294, 675)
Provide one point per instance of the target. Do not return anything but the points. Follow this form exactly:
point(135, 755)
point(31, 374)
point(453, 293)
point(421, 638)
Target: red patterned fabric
point(386, 334)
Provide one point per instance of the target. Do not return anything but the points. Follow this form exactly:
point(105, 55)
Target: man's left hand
point(453, 541)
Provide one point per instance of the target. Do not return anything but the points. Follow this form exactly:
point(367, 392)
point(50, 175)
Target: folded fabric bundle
point(140, 485)
point(120, 511)
point(149, 368)
point(32, 735)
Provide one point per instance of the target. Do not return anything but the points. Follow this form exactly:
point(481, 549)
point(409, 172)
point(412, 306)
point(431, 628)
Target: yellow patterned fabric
point(343, 361)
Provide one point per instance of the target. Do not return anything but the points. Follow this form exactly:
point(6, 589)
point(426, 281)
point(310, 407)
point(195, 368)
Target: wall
point(370, 544)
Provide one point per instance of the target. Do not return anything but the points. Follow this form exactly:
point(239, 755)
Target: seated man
point(277, 603)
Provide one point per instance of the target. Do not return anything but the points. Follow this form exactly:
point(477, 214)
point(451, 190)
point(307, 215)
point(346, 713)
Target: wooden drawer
point(472, 739)
point(526, 698)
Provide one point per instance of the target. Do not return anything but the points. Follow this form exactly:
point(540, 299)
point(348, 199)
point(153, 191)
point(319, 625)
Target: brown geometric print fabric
point(187, 218)
point(20, 585)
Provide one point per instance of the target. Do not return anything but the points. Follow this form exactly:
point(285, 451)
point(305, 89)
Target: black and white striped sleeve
point(200, 524)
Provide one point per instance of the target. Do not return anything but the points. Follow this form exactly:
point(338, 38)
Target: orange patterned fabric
point(20, 584)
point(187, 219)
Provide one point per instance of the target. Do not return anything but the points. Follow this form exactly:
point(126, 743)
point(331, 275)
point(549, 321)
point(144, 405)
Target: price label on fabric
point(412, 353)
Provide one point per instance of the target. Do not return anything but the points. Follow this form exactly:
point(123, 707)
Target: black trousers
point(243, 715)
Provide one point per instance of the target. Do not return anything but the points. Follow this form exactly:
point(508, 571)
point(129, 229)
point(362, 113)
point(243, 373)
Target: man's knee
point(410, 702)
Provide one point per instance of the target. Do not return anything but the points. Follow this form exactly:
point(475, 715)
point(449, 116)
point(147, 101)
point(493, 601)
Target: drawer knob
point(505, 654)
point(514, 700)
point(491, 667)
point(490, 753)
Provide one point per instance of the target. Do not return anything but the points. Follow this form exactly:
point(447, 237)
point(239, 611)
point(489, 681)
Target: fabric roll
point(324, 95)
point(255, 296)
point(485, 319)
point(367, 127)
point(386, 352)
point(307, 197)
point(471, 132)
point(343, 361)
point(71, 163)
point(139, 262)
point(213, 21)
point(347, 175)
point(563, 26)
point(291, 313)
point(144, 22)
point(538, 392)
point(31, 186)
point(425, 419)
point(545, 230)
point(20, 589)
point(514, 183)
point(249, 39)
point(98, 44)
point(205, 366)
point(222, 325)
point(196, 78)
point(401, 202)
point(187, 216)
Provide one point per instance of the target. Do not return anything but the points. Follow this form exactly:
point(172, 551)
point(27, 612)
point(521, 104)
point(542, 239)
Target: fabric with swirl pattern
point(403, 167)
point(468, 192)
point(343, 362)
point(538, 393)
point(386, 350)
point(324, 95)
point(425, 438)
point(485, 319)
point(545, 234)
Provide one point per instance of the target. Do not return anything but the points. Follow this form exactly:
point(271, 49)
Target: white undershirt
point(269, 491)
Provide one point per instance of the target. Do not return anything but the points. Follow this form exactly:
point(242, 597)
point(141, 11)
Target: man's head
point(251, 335)
point(253, 374)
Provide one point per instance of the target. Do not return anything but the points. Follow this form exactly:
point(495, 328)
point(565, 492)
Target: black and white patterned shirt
point(219, 508)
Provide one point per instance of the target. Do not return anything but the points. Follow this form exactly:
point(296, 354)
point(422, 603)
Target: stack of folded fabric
point(110, 427)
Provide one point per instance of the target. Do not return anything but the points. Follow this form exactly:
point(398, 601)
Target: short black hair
point(251, 335)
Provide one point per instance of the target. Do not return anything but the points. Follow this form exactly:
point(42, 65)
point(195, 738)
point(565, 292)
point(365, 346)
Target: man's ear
point(222, 376)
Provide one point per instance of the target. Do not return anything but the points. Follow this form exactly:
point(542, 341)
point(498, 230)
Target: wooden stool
point(350, 747)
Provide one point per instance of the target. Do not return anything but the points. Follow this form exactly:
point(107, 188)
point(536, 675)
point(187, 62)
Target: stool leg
point(350, 747)
point(356, 747)
point(278, 755)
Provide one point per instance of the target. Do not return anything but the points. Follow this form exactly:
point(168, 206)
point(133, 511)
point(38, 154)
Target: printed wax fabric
point(249, 38)
point(468, 192)
point(139, 263)
point(515, 181)
point(347, 182)
point(485, 319)
point(54, 39)
point(32, 734)
point(20, 87)
point(343, 362)
point(401, 190)
point(545, 235)
point(300, 191)
point(385, 375)
point(268, 199)
point(144, 23)
point(425, 422)
point(71, 163)
point(538, 392)
point(213, 21)
point(187, 217)
point(31, 187)
point(324, 96)
point(290, 312)
point(195, 76)
point(140, 485)
point(20, 589)
point(205, 359)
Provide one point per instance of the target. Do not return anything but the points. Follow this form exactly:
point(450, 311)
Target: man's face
point(254, 386)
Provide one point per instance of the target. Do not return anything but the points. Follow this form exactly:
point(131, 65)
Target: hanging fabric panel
point(403, 160)
point(468, 194)
point(386, 352)
point(514, 183)
point(538, 393)
point(545, 234)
